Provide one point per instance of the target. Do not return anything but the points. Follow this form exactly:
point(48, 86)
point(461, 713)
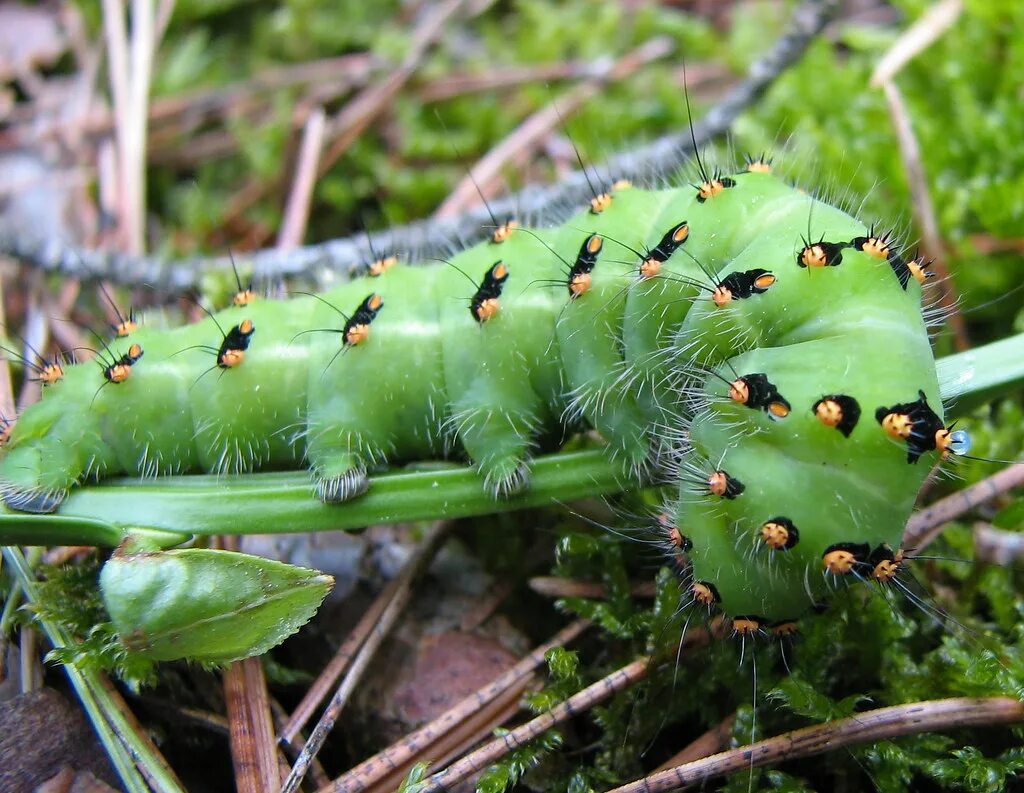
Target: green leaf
point(206, 605)
point(801, 697)
point(416, 780)
point(969, 769)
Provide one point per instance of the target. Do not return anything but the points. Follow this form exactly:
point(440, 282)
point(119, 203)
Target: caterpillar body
point(759, 349)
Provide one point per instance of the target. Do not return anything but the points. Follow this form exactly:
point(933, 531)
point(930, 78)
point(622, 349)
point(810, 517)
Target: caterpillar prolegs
point(784, 383)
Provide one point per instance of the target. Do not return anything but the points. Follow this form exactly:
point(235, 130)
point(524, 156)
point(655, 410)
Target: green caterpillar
point(784, 384)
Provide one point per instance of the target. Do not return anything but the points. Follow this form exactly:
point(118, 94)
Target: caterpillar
point(760, 350)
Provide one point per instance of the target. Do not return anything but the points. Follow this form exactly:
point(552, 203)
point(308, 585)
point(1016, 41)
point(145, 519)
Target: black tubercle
point(924, 424)
point(896, 261)
point(849, 408)
point(712, 589)
point(744, 284)
point(670, 241)
point(792, 533)
point(861, 551)
point(365, 314)
point(586, 259)
point(490, 289)
point(882, 553)
point(236, 339)
point(900, 269)
point(831, 253)
point(762, 393)
point(708, 188)
point(733, 487)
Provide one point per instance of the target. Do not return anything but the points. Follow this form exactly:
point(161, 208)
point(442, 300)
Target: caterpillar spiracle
point(762, 350)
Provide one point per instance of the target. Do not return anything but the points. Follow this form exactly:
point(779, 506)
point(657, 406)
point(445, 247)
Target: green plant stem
point(167, 511)
point(132, 757)
point(179, 507)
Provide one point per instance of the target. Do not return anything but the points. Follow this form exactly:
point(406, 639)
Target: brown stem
point(353, 119)
point(997, 546)
point(933, 246)
point(872, 725)
point(924, 526)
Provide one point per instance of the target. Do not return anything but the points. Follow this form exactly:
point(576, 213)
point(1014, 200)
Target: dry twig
point(924, 526)
point(872, 725)
point(296, 213)
point(553, 586)
point(424, 742)
point(353, 119)
point(917, 38)
point(499, 747)
point(328, 678)
point(416, 564)
point(712, 741)
point(253, 750)
point(932, 244)
point(997, 546)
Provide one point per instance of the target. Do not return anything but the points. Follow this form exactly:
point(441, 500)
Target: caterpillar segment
point(761, 389)
point(847, 486)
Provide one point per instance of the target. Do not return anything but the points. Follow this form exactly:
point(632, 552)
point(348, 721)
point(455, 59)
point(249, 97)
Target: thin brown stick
point(485, 175)
point(296, 213)
point(478, 726)
point(430, 237)
point(916, 39)
point(932, 244)
point(288, 752)
point(478, 614)
point(553, 586)
point(187, 718)
point(117, 72)
point(202, 105)
point(353, 119)
point(357, 115)
point(924, 526)
point(7, 410)
point(31, 671)
point(872, 725)
point(133, 162)
point(585, 699)
point(426, 739)
point(37, 335)
point(328, 678)
point(253, 750)
point(712, 741)
point(997, 546)
point(456, 85)
point(416, 564)
point(65, 332)
point(163, 18)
